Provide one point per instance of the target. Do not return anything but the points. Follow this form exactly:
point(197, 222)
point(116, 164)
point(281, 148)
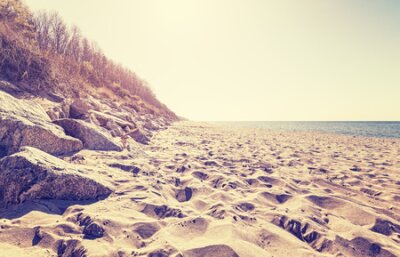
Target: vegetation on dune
point(40, 53)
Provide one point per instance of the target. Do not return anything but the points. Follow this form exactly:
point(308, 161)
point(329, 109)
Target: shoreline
point(295, 132)
point(256, 124)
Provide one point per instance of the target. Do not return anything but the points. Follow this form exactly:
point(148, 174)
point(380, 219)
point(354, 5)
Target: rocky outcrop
point(92, 136)
point(24, 123)
point(32, 174)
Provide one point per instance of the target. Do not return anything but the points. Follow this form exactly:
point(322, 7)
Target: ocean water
point(355, 128)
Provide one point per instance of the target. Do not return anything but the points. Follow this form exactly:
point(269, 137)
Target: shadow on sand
point(57, 207)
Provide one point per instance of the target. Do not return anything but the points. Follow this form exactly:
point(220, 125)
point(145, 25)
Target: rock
point(118, 132)
point(151, 125)
point(56, 113)
point(60, 112)
point(78, 109)
point(115, 130)
point(56, 97)
point(93, 231)
point(104, 118)
point(52, 114)
point(139, 136)
point(126, 129)
point(78, 158)
point(65, 107)
point(92, 136)
point(9, 88)
point(92, 119)
point(111, 125)
point(23, 123)
point(32, 174)
point(131, 118)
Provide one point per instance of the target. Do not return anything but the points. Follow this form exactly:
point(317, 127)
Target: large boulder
point(32, 174)
point(24, 123)
point(92, 136)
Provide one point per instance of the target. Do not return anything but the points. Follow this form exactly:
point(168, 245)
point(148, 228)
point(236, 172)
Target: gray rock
point(111, 125)
point(118, 132)
point(78, 109)
point(104, 119)
point(92, 136)
point(52, 114)
point(65, 108)
point(24, 123)
point(56, 113)
point(9, 88)
point(32, 174)
point(56, 97)
point(151, 125)
point(139, 136)
point(92, 119)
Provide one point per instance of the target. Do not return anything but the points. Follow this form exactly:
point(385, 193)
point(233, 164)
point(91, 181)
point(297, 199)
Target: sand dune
point(206, 190)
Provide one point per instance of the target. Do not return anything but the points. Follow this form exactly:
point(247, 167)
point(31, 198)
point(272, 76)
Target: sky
point(253, 59)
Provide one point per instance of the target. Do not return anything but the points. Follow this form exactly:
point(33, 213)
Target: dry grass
point(40, 71)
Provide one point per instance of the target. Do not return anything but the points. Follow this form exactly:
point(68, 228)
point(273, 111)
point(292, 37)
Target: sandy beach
point(100, 154)
point(208, 190)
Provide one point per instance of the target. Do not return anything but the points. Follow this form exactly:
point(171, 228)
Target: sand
point(207, 190)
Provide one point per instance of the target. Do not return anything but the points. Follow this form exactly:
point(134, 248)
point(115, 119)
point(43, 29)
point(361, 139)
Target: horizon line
point(295, 120)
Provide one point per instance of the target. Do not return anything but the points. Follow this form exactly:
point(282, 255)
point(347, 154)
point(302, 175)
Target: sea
point(356, 128)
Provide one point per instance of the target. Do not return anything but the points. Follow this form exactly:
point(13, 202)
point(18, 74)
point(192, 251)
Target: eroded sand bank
point(207, 190)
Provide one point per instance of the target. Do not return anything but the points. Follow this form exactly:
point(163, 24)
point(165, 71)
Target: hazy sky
point(253, 59)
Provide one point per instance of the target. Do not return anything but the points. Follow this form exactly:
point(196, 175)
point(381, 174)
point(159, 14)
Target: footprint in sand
point(246, 207)
point(162, 211)
point(184, 195)
point(146, 230)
